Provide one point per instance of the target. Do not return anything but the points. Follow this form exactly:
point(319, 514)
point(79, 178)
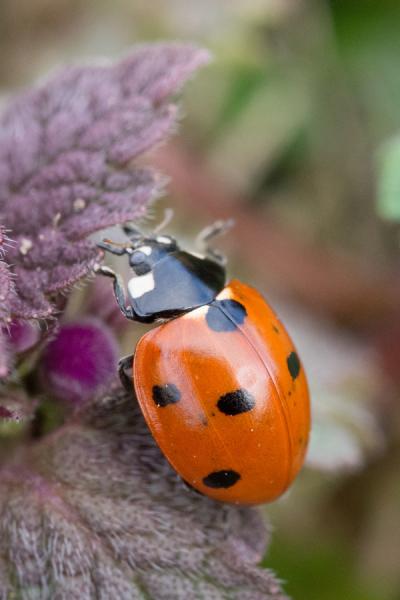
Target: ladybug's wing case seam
point(222, 441)
point(271, 376)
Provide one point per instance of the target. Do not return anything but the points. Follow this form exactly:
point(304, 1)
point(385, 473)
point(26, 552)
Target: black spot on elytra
point(221, 479)
point(237, 402)
point(166, 394)
point(225, 315)
point(293, 364)
point(274, 327)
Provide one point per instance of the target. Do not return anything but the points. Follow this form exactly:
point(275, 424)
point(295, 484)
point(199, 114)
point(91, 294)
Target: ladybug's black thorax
point(169, 281)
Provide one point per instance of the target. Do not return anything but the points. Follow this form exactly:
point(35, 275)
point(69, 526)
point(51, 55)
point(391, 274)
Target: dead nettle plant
point(89, 508)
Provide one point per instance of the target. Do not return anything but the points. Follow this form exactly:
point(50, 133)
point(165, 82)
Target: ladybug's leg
point(119, 292)
point(125, 372)
point(210, 232)
point(216, 255)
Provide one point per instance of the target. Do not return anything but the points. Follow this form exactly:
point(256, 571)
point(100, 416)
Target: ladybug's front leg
point(119, 292)
point(125, 371)
point(125, 363)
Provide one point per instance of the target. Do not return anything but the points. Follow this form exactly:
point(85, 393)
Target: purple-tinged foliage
point(5, 242)
point(96, 511)
point(66, 152)
point(7, 297)
point(7, 292)
point(79, 361)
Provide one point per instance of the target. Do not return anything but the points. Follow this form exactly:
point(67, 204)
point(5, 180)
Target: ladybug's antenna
point(168, 215)
point(214, 230)
point(209, 233)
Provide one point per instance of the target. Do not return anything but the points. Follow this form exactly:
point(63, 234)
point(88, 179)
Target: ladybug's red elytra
point(219, 381)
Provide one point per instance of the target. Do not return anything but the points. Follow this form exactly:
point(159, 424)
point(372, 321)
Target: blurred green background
point(294, 130)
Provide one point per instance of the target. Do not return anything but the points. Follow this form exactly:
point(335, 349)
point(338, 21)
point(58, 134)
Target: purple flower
point(22, 335)
point(80, 361)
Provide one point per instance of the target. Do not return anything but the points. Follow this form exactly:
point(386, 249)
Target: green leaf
point(388, 181)
point(320, 569)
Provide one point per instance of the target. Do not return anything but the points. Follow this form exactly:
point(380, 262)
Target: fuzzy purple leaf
point(95, 511)
point(79, 361)
point(7, 298)
point(7, 292)
point(66, 171)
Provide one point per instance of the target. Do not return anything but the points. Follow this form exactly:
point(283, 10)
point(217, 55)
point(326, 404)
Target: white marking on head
point(138, 286)
point(147, 250)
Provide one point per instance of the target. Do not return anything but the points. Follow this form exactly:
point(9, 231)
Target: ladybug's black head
point(148, 251)
point(144, 251)
point(167, 281)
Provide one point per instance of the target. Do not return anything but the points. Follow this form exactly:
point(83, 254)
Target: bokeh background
point(293, 131)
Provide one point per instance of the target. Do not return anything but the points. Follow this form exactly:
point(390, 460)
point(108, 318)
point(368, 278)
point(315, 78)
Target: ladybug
point(219, 381)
